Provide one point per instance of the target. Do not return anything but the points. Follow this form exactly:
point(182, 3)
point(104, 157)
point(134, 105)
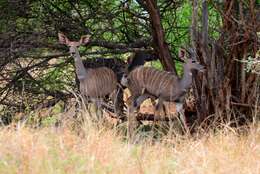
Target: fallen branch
point(151, 117)
point(142, 117)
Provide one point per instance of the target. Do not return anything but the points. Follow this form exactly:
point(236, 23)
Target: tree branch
point(159, 42)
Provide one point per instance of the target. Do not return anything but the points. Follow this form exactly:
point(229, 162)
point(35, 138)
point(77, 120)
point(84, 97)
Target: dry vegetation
point(99, 149)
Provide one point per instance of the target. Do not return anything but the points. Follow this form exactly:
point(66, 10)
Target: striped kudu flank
point(147, 82)
point(95, 83)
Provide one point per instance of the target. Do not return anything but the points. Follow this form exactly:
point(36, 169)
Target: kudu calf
point(147, 82)
point(95, 83)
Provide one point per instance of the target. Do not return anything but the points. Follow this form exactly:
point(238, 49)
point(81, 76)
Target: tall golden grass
point(98, 149)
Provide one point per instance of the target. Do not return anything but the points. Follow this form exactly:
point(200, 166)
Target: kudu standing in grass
point(95, 83)
point(147, 82)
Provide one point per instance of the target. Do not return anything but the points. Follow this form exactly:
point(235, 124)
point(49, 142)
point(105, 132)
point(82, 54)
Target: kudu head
point(190, 62)
point(73, 45)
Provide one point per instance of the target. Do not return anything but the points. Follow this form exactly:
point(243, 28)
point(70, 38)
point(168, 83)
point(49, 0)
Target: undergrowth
point(84, 145)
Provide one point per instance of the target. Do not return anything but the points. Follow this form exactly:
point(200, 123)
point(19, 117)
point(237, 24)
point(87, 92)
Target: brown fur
point(155, 82)
point(99, 82)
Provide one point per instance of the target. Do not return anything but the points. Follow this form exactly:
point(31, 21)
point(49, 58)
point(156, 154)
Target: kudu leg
point(84, 105)
point(132, 121)
point(160, 106)
point(98, 108)
point(135, 103)
point(117, 98)
point(179, 109)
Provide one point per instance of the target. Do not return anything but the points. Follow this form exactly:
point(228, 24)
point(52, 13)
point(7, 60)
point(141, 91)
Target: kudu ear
point(63, 39)
point(182, 54)
point(84, 39)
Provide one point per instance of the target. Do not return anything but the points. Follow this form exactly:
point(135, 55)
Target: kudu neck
point(186, 80)
point(80, 69)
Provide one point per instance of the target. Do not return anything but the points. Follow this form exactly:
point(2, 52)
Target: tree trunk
point(160, 45)
point(226, 91)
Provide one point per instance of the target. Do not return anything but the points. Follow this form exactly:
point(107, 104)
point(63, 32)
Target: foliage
point(35, 67)
point(28, 40)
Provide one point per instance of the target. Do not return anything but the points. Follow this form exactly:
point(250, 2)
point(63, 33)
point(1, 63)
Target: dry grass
point(102, 150)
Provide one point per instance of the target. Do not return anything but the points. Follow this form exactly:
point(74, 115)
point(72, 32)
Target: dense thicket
point(37, 72)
